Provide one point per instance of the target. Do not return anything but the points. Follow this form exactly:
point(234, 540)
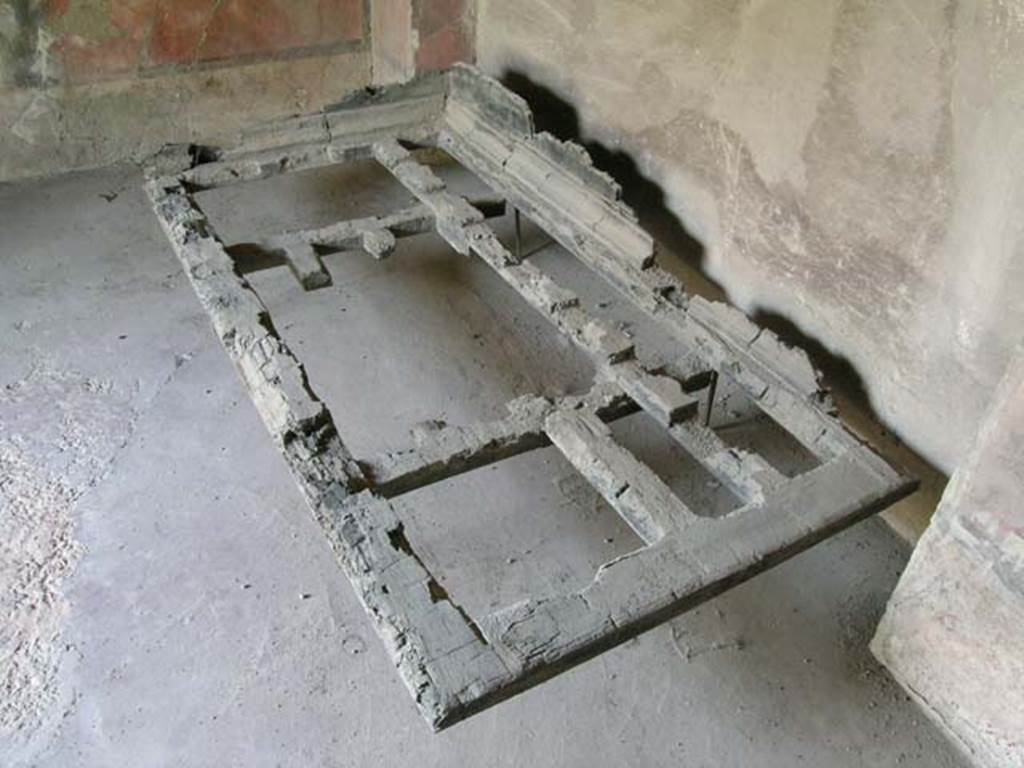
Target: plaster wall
point(951, 632)
point(89, 82)
point(851, 166)
point(84, 83)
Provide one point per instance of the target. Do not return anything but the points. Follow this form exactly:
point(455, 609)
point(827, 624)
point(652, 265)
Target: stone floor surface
point(167, 599)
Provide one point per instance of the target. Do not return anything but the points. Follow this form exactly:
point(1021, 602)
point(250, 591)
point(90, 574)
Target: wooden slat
point(443, 451)
point(306, 266)
point(627, 484)
point(374, 234)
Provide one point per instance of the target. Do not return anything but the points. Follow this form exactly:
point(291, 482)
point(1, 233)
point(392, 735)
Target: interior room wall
point(850, 170)
point(851, 173)
point(87, 82)
point(952, 631)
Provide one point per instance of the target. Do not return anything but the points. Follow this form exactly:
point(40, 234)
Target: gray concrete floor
point(168, 600)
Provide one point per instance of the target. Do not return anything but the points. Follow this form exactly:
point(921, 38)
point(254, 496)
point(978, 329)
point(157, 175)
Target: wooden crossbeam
point(376, 235)
point(306, 265)
point(443, 450)
point(630, 486)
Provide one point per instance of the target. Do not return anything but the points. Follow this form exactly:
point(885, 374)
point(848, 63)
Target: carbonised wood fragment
point(306, 266)
point(379, 243)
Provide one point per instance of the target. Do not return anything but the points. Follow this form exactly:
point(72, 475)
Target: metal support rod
point(519, 236)
point(712, 385)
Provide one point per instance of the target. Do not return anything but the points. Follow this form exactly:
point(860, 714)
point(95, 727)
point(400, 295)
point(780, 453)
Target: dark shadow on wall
point(560, 118)
point(553, 114)
point(556, 116)
point(839, 372)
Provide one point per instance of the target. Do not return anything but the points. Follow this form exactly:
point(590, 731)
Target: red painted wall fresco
point(98, 39)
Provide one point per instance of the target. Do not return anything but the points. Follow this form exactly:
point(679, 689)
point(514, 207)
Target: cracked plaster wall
point(852, 165)
point(88, 82)
point(84, 83)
